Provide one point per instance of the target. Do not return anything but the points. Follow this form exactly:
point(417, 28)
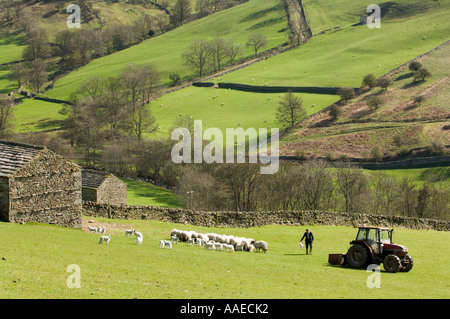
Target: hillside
point(399, 124)
point(164, 52)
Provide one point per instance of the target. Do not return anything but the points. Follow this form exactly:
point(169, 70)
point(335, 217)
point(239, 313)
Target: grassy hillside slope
point(360, 127)
point(164, 52)
point(342, 56)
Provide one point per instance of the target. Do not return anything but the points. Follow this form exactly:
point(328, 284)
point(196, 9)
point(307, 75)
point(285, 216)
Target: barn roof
point(14, 156)
point(93, 179)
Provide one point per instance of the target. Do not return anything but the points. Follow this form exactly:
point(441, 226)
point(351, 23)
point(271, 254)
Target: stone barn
point(104, 188)
point(38, 185)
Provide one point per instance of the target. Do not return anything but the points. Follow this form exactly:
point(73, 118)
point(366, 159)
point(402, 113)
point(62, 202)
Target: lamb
point(129, 232)
point(138, 234)
point(139, 240)
point(219, 246)
point(165, 244)
point(105, 239)
point(102, 230)
point(202, 237)
point(210, 245)
point(229, 247)
point(240, 246)
point(174, 239)
point(93, 229)
point(261, 245)
point(191, 241)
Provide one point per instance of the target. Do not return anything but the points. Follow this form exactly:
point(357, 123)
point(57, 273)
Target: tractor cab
point(375, 237)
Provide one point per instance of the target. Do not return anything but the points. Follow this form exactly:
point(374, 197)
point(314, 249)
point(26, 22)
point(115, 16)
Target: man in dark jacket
point(309, 238)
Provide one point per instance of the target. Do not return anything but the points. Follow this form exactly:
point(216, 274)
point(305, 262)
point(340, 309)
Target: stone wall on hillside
point(253, 219)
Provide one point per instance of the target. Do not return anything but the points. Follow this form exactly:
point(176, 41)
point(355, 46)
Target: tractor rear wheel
point(392, 263)
point(357, 256)
point(407, 264)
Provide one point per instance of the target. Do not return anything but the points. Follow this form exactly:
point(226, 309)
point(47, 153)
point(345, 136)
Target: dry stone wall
point(253, 219)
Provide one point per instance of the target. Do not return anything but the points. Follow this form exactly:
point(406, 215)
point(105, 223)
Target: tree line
point(312, 185)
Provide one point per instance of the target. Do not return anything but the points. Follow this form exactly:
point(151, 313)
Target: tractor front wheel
point(357, 256)
point(392, 263)
point(407, 264)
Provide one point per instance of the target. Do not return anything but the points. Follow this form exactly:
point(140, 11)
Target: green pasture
point(35, 258)
point(342, 56)
point(34, 115)
point(145, 194)
point(222, 108)
point(164, 52)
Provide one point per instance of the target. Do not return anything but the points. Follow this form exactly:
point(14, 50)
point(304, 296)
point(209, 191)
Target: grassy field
point(342, 56)
point(146, 194)
point(223, 109)
point(35, 258)
point(34, 115)
point(164, 51)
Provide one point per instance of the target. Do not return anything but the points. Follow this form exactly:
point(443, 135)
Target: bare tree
point(232, 50)
point(37, 45)
point(256, 41)
point(198, 55)
point(290, 111)
point(38, 74)
point(181, 11)
point(353, 185)
point(6, 117)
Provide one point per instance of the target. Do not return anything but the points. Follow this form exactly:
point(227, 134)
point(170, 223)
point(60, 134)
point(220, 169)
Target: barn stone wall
point(112, 191)
point(46, 190)
point(252, 219)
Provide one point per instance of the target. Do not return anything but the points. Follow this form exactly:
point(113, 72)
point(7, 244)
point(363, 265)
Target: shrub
point(421, 75)
point(335, 112)
point(346, 93)
point(375, 102)
point(415, 66)
point(369, 80)
point(384, 82)
point(175, 78)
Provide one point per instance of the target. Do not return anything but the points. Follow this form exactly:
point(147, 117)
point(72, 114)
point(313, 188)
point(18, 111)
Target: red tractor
point(373, 245)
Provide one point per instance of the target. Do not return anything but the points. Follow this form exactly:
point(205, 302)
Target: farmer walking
point(309, 238)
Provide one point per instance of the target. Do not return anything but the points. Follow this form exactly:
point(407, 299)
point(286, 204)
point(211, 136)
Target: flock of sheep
point(211, 241)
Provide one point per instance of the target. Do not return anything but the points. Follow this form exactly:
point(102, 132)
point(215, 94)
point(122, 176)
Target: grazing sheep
point(240, 246)
point(211, 236)
point(219, 246)
point(174, 239)
point(210, 245)
point(251, 248)
point(261, 245)
point(165, 244)
point(129, 232)
point(138, 234)
point(191, 241)
point(105, 239)
point(93, 229)
point(229, 247)
point(139, 240)
point(202, 237)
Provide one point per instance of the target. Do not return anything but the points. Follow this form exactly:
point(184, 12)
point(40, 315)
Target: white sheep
point(229, 247)
point(93, 229)
point(174, 239)
point(219, 246)
point(165, 244)
point(210, 245)
point(129, 232)
point(191, 241)
point(102, 230)
point(105, 239)
point(139, 240)
point(138, 234)
point(261, 245)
